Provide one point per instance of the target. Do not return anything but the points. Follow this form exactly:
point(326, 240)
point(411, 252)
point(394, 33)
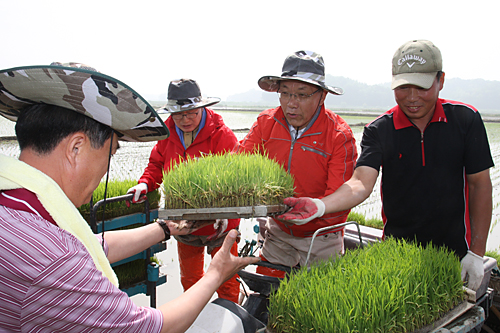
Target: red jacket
point(214, 137)
point(321, 160)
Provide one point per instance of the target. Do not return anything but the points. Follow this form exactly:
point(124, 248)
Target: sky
point(226, 46)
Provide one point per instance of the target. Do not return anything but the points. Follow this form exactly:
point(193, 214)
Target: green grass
point(226, 180)
point(391, 286)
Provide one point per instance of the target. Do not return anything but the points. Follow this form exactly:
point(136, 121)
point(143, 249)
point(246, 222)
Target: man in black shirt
point(435, 160)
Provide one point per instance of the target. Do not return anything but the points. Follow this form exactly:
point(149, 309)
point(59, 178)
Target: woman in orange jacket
point(195, 131)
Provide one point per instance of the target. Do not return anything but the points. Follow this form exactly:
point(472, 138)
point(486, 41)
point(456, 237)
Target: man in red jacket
point(312, 143)
point(195, 131)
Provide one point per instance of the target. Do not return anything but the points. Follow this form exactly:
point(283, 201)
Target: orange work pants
point(191, 261)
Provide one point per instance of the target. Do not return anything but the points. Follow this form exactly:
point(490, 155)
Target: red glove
point(303, 210)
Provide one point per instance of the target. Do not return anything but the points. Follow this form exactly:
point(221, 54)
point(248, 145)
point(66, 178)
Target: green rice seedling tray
point(234, 181)
point(471, 321)
point(389, 286)
point(221, 212)
point(447, 318)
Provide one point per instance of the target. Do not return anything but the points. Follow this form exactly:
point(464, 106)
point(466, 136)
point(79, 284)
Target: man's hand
point(181, 312)
point(224, 264)
point(303, 210)
point(472, 266)
point(184, 227)
point(139, 192)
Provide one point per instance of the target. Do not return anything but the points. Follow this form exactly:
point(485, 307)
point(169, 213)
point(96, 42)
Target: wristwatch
point(165, 228)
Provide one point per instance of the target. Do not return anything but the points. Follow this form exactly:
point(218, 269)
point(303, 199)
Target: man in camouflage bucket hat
point(55, 273)
point(315, 145)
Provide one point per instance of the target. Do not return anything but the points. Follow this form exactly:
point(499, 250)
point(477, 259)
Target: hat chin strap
point(106, 185)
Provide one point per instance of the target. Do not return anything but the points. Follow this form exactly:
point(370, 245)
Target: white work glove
point(221, 225)
point(139, 192)
point(472, 265)
point(303, 210)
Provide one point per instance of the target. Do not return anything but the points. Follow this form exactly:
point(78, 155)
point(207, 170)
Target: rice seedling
point(114, 209)
point(131, 272)
point(226, 180)
point(495, 254)
point(156, 260)
point(391, 286)
point(361, 220)
point(134, 271)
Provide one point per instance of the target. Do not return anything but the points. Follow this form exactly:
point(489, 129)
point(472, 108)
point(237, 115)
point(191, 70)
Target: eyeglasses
point(188, 115)
point(300, 97)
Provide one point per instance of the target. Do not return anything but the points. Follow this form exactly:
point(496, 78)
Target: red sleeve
point(153, 174)
point(224, 140)
point(341, 165)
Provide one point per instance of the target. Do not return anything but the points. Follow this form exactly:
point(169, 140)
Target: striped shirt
point(48, 280)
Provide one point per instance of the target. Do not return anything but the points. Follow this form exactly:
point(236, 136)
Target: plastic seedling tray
point(447, 318)
point(221, 212)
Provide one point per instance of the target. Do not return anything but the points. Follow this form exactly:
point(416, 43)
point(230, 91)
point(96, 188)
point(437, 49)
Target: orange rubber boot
point(191, 261)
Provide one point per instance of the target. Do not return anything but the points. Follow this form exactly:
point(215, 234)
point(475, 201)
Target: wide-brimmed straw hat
point(184, 95)
point(305, 66)
point(82, 89)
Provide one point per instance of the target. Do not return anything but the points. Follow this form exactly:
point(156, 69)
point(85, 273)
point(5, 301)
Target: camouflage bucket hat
point(305, 66)
point(82, 89)
point(184, 95)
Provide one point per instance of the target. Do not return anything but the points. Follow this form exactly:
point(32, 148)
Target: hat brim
point(174, 106)
point(422, 80)
point(271, 84)
point(98, 96)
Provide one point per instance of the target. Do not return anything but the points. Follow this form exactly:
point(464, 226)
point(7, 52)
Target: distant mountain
point(483, 94)
point(253, 97)
point(358, 95)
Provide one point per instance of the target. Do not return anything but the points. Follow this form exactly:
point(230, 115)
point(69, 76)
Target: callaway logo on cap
point(417, 63)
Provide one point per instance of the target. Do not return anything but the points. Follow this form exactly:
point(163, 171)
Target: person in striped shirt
point(55, 274)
